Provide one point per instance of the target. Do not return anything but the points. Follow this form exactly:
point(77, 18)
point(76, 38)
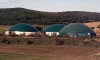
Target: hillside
point(10, 16)
point(94, 24)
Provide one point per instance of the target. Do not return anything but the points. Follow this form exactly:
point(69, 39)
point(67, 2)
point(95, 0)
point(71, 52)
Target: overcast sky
point(54, 5)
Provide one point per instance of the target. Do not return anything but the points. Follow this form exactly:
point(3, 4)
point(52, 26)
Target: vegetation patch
point(50, 40)
point(1, 29)
point(9, 56)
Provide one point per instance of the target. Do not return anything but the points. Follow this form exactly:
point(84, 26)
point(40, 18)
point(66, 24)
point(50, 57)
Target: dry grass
point(94, 24)
point(4, 27)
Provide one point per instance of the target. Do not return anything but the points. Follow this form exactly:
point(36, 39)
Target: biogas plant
point(22, 28)
point(71, 30)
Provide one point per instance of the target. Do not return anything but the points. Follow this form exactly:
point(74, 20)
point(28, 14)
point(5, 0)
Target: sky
point(54, 5)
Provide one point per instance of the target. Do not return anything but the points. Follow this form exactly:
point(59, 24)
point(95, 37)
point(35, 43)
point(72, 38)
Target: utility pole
point(43, 23)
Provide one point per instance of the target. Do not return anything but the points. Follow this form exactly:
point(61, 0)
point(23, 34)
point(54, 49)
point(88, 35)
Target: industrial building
point(22, 28)
point(53, 29)
point(77, 29)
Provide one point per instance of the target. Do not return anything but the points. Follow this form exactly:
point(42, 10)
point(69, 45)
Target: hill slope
point(9, 16)
point(95, 25)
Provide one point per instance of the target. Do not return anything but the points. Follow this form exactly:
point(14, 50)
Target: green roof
point(23, 28)
point(54, 28)
point(76, 27)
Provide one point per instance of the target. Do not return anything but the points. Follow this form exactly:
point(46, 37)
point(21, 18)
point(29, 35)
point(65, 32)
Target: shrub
point(92, 27)
point(17, 41)
point(27, 42)
point(81, 44)
point(58, 42)
point(59, 36)
point(2, 33)
point(4, 40)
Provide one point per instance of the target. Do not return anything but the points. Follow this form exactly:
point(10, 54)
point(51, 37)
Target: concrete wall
point(20, 33)
point(52, 33)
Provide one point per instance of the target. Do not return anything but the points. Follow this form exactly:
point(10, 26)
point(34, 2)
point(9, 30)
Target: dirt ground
point(56, 52)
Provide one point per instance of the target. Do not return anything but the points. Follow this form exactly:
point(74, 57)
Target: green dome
point(22, 27)
point(54, 28)
point(76, 27)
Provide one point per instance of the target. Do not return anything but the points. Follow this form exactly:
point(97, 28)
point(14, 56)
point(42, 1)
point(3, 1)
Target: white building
point(53, 29)
point(22, 28)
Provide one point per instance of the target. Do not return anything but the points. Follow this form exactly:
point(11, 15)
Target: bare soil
point(55, 52)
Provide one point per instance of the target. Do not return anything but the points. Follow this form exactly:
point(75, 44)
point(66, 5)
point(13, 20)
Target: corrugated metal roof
point(54, 28)
point(23, 27)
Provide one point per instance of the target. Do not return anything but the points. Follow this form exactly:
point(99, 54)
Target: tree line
point(11, 16)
